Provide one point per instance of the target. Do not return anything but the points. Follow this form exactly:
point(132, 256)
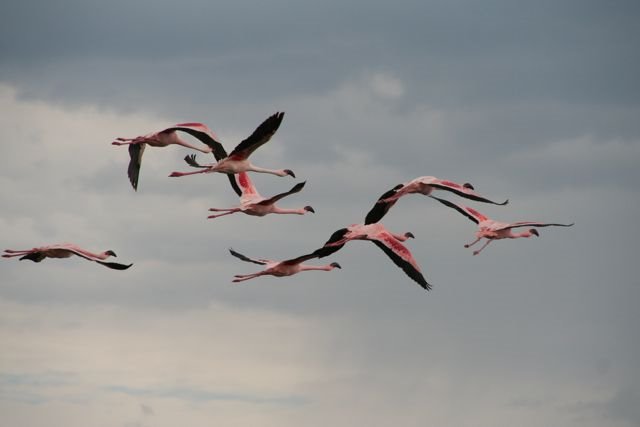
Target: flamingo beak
point(309, 209)
point(409, 234)
point(289, 172)
point(468, 185)
point(110, 252)
point(534, 232)
point(335, 265)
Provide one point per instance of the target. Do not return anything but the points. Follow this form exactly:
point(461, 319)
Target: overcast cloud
point(532, 101)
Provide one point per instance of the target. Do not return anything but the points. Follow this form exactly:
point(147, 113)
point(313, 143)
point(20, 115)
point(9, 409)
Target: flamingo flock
point(236, 166)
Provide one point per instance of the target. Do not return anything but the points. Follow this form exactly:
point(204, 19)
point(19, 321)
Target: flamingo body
point(494, 230)
point(280, 268)
point(165, 138)
point(65, 250)
point(238, 160)
point(427, 184)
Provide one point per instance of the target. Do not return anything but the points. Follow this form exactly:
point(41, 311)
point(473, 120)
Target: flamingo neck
point(278, 210)
point(258, 169)
point(316, 267)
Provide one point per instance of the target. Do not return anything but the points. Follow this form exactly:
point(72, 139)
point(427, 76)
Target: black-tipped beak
point(290, 172)
point(309, 209)
point(335, 265)
point(111, 253)
point(534, 232)
point(409, 234)
point(468, 185)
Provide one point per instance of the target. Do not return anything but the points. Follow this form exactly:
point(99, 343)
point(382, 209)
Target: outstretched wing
point(204, 134)
point(300, 259)
point(245, 258)
point(380, 208)
point(462, 191)
point(532, 224)
point(401, 256)
point(114, 265)
point(470, 213)
point(328, 250)
point(296, 188)
point(34, 256)
point(133, 171)
point(260, 136)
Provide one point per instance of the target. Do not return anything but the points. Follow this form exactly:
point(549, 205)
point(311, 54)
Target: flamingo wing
point(204, 134)
point(462, 191)
point(244, 184)
point(133, 171)
point(114, 265)
point(247, 259)
point(470, 213)
point(300, 259)
point(260, 136)
point(532, 224)
point(401, 256)
point(328, 250)
point(380, 208)
point(35, 256)
point(296, 188)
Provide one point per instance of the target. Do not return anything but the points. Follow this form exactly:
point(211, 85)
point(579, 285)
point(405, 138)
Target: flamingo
point(494, 230)
point(65, 250)
point(163, 138)
point(280, 268)
point(389, 242)
point(251, 202)
point(238, 160)
point(427, 184)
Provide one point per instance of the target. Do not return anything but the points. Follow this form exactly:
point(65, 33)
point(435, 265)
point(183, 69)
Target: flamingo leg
point(175, 174)
point(243, 277)
point(472, 243)
point(483, 246)
point(11, 253)
point(229, 212)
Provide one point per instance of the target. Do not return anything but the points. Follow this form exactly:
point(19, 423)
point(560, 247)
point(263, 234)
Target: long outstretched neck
point(328, 267)
point(300, 211)
point(278, 172)
point(188, 145)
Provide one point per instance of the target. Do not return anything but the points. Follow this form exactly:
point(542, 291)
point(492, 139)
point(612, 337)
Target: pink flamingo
point(65, 250)
point(251, 202)
point(494, 230)
point(280, 268)
point(163, 138)
point(238, 160)
point(389, 242)
point(427, 184)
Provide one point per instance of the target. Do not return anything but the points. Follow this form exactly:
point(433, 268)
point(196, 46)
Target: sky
point(536, 102)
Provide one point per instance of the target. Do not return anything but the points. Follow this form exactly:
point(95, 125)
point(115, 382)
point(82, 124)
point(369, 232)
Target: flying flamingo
point(494, 230)
point(280, 268)
point(387, 241)
point(251, 202)
point(427, 184)
point(162, 138)
point(65, 250)
point(238, 160)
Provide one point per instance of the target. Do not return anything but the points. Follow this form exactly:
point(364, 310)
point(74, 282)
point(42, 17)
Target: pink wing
point(401, 256)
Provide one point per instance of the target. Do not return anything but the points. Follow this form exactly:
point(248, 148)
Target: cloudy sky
point(532, 101)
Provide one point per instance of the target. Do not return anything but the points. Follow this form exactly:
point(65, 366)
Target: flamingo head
point(468, 185)
point(110, 253)
point(534, 232)
point(288, 172)
point(335, 265)
point(409, 235)
point(309, 209)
